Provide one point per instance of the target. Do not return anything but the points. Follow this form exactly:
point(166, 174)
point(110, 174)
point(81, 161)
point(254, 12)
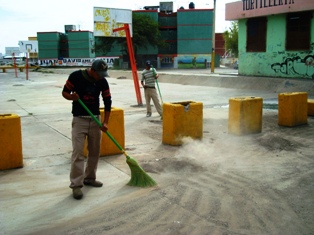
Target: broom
point(138, 176)
point(154, 72)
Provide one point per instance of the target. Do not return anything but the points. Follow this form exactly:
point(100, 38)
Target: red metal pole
point(14, 65)
point(26, 66)
point(126, 28)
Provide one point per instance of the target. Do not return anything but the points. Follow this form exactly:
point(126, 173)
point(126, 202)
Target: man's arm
point(70, 96)
point(106, 118)
point(105, 122)
point(106, 95)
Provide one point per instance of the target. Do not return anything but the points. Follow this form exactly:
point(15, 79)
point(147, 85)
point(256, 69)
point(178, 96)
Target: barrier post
point(11, 155)
point(14, 64)
point(245, 115)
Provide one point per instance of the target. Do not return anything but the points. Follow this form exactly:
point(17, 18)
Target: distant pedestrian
point(194, 62)
point(87, 85)
point(149, 75)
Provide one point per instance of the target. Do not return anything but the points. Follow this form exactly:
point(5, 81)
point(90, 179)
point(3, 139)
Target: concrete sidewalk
point(37, 197)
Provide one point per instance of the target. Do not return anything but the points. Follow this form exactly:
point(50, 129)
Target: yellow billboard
point(107, 19)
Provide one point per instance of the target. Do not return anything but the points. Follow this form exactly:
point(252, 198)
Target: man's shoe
point(77, 193)
point(148, 114)
point(93, 183)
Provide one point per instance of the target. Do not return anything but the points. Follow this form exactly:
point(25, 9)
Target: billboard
point(28, 46)
point(107, 19)
point(10, 50)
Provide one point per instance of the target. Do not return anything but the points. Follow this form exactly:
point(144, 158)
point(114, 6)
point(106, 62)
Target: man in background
point(149, 75)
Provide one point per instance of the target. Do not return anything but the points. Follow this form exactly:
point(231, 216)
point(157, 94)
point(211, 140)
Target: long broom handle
point(159, 91)
point(100, 125)
point(154, 72)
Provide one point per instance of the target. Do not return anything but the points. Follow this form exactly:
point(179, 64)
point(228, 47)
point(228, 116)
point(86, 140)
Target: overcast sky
point(21, 19)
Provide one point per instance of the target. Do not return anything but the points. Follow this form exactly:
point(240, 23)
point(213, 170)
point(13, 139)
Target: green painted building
point(52, 45)
point(81, 44)
point(188, 34)
point(276, 38)
point(72, 44)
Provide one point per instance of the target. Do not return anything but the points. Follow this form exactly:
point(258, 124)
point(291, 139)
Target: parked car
point(236, 64)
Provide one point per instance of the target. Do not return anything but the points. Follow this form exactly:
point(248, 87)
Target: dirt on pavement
point(257, 184)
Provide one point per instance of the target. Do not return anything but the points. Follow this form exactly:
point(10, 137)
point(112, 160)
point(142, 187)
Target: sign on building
point(107, 19)
point(28, 46)
point(10, 50)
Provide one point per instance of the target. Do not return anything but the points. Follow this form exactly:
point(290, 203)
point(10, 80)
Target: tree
point(103, 45)
point(231, 38)
point(145, 33)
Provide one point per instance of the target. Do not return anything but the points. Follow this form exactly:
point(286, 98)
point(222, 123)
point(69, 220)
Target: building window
point(298, 31)
point(256, 34)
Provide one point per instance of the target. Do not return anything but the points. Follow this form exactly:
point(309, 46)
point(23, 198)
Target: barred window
point(256, 34)
point(298, 34)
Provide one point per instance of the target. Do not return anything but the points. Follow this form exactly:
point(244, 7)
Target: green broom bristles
point(138, 176)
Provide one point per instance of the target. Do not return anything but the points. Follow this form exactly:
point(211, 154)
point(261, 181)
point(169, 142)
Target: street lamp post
point(213, 40)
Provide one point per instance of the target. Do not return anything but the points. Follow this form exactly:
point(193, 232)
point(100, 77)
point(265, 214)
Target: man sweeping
point(87, 85)
point(148, 82)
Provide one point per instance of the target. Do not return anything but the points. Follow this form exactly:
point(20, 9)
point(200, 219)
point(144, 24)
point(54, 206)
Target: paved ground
point(224, 184)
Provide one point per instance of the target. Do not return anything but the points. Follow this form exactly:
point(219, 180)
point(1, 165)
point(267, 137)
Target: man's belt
point(88, 117)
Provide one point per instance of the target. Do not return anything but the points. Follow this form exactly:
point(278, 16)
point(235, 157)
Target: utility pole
point(126, 29)
point(213, 40)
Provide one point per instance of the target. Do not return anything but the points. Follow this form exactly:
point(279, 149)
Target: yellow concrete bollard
point(310, 107)
point(182, 119)
point(292, 109)
point(116, 129)
point(245, 115)
point(10, 142)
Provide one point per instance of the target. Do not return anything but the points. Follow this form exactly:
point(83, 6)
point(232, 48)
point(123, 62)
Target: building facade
point(276, 37)
point(188, 34)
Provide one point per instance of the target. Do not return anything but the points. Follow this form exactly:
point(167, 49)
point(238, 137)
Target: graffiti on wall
point(296, 66)
point(75, 61)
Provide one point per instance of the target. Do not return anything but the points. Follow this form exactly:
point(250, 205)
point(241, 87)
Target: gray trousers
point(150, 93)
point(83, 128)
